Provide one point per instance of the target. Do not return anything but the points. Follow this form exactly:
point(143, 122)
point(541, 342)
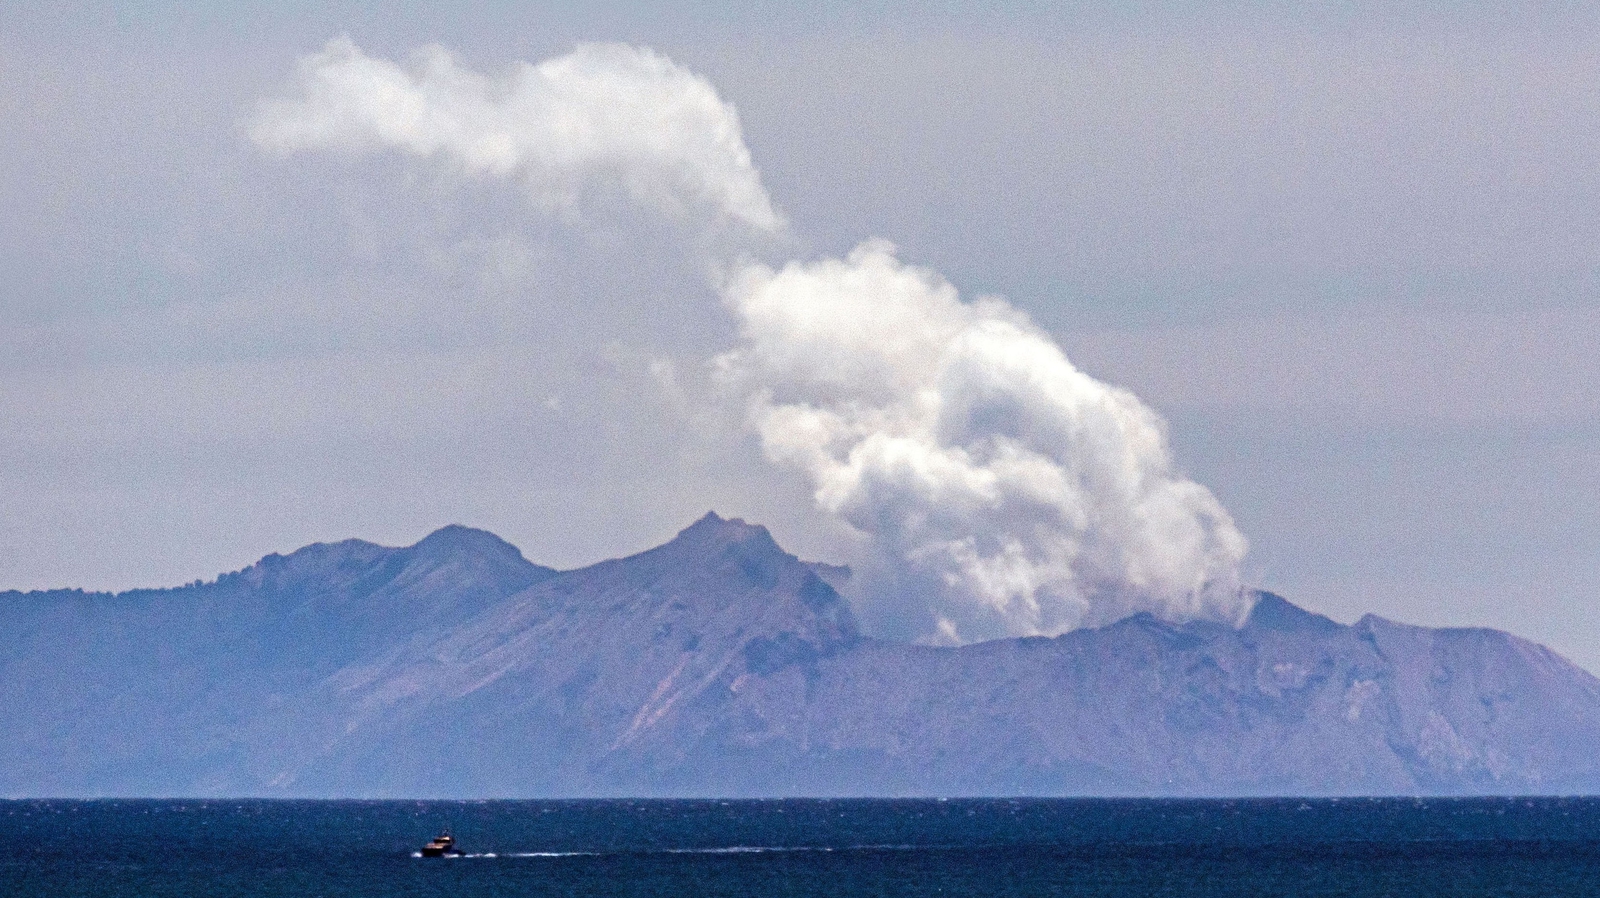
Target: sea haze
point(850, 847)
point(720, 665)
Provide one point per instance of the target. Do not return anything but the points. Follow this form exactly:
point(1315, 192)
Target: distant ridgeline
point(720, 665)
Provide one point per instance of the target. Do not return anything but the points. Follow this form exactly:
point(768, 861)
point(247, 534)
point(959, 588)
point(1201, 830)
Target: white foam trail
point(719, 850)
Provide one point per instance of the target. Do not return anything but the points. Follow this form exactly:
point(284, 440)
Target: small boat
point(443, 845)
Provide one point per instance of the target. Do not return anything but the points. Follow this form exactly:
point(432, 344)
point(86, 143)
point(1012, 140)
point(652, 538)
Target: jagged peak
point(321, 553)
point(709, 519)
point(438, 549)
point(458, 538)
point(1274, 612)
point(713, 529)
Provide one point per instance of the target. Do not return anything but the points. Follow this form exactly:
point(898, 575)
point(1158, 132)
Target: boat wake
point(731, 849)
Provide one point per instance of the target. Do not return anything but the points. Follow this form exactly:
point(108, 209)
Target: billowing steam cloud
point(1003, 492)
point(1008, 492)
point(603, 114)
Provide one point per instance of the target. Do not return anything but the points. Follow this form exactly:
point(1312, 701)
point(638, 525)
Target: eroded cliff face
point(718, 664)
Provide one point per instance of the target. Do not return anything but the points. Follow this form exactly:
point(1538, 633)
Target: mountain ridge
point(720, 664)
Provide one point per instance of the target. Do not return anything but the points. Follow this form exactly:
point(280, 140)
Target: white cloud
point(1006, 492)
point(602, 114)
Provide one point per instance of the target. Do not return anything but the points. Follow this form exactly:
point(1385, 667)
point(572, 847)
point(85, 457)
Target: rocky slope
point(718, 664)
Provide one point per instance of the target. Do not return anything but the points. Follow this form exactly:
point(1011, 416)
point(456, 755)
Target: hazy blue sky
point(1352, 255)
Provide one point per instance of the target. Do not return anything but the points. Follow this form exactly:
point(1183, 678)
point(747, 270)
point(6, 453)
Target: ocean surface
point(980, 847)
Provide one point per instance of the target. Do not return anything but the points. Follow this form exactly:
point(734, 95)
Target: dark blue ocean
point(981, 847)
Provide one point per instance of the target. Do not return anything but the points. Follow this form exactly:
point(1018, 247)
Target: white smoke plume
point(1002, 491)
point(604, 114)
point(1007, 492)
